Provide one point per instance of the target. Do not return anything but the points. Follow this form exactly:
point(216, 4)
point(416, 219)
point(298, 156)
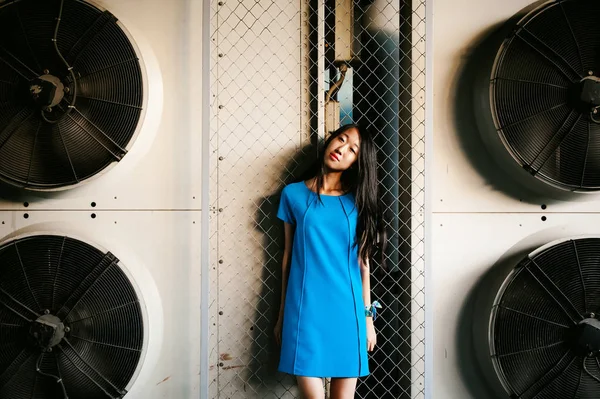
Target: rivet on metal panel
point(221, 313)
point(220, 209)
point(221, 158)
point(220, 107)
point(220, 260)
point(25, 204)
point(220, 54)
point(221, 3)
point(26, 216)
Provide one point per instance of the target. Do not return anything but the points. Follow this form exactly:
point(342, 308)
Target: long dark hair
point(361, 180)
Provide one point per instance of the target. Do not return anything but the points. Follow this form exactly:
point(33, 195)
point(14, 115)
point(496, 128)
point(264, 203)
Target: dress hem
point(324, 376)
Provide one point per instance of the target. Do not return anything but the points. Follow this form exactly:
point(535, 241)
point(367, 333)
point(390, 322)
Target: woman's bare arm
point(365, 274)
point(285, 271)
point(285, 264)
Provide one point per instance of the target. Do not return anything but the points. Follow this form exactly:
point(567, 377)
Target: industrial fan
point(543, 330)
point(71, 92)
point(545, 94)
point(71, 324)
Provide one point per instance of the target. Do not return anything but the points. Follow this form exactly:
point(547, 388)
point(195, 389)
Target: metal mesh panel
point(272, 64)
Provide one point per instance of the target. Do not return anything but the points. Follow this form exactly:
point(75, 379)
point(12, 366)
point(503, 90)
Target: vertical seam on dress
point(303, 283)
point(352, 287)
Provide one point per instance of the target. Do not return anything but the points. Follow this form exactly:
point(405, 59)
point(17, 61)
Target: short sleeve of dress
point(285, 207)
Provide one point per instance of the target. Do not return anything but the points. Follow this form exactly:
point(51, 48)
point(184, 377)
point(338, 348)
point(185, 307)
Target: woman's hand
point(371, 335)
point(277, 330)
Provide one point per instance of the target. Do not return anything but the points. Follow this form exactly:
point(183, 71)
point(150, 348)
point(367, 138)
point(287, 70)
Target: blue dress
point(324, 324)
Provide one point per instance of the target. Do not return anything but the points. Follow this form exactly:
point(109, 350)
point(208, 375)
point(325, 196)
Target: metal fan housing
point(72, 93)
point(537, 323)
point(545, 94)
point(71, 320)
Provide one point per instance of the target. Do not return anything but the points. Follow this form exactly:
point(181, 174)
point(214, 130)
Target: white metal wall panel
point(162, 170)
point(466, 248)
point(418, 230)
point(158, 250)
point(459, 26)
point(256, 131)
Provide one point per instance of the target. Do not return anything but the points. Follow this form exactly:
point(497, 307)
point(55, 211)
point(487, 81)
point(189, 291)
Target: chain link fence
point(273, 65)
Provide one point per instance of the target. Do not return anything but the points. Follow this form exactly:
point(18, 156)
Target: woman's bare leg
point(311, 387)
point(343, 388)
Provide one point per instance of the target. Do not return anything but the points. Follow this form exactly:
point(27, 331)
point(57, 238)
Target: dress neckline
point(324, 195)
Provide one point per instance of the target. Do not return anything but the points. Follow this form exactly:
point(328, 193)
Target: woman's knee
point(343, 388)
point(311, 387)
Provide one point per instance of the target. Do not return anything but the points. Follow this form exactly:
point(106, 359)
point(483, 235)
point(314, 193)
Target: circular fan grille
point(545, 331)
point(70, 321)
point(66, 112)
point(545, 94)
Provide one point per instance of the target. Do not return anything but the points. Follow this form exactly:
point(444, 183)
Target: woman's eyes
point(340, 138)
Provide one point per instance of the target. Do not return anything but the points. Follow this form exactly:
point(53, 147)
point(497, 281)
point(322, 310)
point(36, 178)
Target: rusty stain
point(232, 367)
point(166, 379)
point(225, 356)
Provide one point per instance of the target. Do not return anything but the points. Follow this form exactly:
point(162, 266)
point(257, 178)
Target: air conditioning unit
point(75, 318)
point(100, 197)
point(537, 327)
point(538, 108)
point(544, 100)
point(515, 224)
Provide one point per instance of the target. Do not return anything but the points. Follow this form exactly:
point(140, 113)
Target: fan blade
point(95, 276)
point(90, 373)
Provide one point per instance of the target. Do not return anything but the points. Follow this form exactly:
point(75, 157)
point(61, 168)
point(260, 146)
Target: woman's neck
point(332, 183)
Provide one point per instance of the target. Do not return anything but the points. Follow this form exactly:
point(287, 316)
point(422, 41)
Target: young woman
point(332, 227)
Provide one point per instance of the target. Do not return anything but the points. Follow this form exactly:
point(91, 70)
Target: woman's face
point(343, 150)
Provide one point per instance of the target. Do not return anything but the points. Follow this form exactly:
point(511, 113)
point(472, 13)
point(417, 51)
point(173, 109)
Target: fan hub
point(47, 90)
point(47, 331)
point(585, 95)
point(584, 338)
